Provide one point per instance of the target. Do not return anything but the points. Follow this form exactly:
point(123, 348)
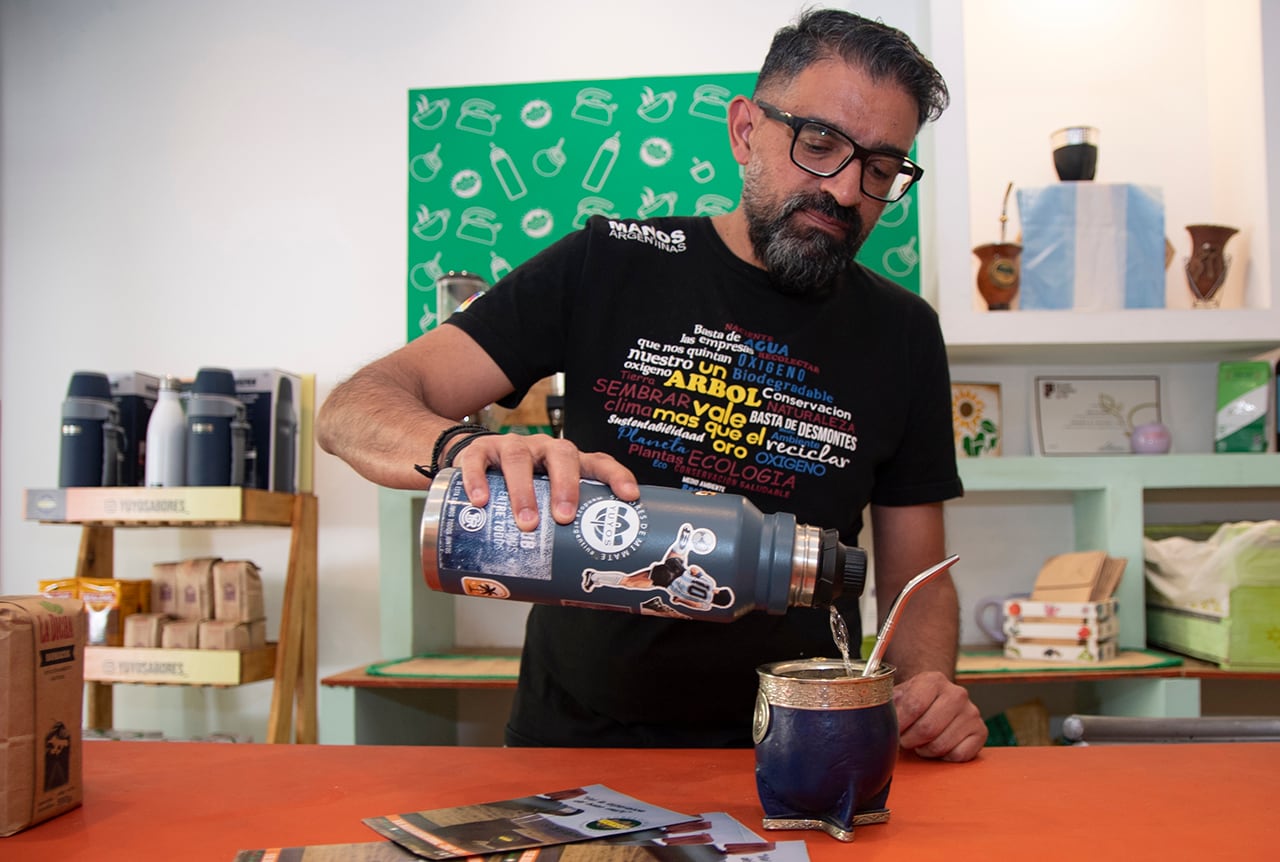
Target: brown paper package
point(42, 643)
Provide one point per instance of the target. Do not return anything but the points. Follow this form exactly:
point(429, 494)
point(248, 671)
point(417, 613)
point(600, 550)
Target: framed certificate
point(1092, 415)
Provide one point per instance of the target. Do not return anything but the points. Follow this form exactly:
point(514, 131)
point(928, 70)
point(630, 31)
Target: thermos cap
point(89, 384)
point(214, 381)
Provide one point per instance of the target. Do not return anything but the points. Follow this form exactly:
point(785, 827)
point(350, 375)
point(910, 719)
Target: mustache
point(825, 205)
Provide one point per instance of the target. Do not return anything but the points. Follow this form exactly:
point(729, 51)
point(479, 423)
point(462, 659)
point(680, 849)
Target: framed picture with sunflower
point(975, 419)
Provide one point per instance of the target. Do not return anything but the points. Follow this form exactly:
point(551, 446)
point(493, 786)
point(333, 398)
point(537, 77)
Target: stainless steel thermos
point(672, 553)
point(92, 448)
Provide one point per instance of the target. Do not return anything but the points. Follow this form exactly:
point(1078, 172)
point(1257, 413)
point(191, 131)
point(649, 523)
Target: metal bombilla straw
point(895, 610)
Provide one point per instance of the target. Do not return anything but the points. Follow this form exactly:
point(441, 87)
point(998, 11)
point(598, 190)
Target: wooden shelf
point(179, 666)
point(221, 506)
point(291, 662)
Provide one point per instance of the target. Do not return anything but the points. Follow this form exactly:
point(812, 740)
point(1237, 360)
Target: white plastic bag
point(1200, 576)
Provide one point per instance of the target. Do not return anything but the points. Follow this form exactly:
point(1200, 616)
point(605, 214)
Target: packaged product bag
point(42, 642)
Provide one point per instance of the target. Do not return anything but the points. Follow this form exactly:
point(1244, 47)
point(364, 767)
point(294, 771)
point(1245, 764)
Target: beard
point(801, 261)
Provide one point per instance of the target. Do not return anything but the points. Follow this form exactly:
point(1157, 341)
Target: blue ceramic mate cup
point(826, 744)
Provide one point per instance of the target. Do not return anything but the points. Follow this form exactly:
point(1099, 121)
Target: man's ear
point(741, 125)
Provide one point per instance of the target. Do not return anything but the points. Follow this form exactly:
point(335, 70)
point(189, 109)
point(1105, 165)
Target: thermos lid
point(842, 570)
point(89, 384)
point(214, 381)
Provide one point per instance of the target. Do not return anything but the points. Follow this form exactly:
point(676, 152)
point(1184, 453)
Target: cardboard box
point(273, 400)
point(42, 643)
point(135, 395)
point(1243, 396)
point(144, 630)
point(108, 602)
point(237, 591)
point(164, 588)
point(195, 588)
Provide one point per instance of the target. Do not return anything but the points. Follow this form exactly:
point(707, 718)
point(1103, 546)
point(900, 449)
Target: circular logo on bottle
point(472, 519)
point(610, 528)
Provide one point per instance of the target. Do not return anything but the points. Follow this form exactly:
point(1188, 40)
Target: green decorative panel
point(496, 173)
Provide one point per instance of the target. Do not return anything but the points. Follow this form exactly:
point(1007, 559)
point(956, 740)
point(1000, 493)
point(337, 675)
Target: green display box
point(1248, 638)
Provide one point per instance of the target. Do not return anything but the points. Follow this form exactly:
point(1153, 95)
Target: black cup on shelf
point(1075, 152)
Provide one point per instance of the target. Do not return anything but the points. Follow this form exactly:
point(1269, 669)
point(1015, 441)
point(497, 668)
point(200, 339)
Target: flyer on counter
point(577, 814)
point(716, 837)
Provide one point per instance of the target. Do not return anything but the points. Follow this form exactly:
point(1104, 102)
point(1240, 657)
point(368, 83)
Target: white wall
point(190, 183)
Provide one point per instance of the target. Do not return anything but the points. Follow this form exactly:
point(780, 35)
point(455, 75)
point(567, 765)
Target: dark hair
point(885, 53)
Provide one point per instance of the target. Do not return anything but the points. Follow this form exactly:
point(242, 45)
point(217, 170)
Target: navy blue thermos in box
point(91, 453)
point(217, 430)
point(272, 398)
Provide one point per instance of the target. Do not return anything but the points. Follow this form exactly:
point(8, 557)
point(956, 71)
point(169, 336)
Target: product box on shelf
point(1243, 396)
point(59, 588)
point(108, 602)
point(42, 644)
point(135, 395)
point(273, 400)
point(1061, 631)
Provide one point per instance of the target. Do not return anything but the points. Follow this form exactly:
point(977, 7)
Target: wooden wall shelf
point(292, 661)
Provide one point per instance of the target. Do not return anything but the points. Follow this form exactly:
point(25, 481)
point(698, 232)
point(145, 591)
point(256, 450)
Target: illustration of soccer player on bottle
point(685, 583)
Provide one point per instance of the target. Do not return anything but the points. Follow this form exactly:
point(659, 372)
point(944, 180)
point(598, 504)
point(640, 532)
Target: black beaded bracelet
point(445, 436)
point(466, 441)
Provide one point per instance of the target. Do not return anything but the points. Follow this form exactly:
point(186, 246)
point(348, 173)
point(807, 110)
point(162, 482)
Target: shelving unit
point(290, 662)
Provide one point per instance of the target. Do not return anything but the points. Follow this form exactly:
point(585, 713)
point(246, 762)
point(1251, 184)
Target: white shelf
point(1109, 337)
point(1219, 470)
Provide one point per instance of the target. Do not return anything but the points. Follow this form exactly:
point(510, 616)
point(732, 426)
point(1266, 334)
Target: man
point(743, 353)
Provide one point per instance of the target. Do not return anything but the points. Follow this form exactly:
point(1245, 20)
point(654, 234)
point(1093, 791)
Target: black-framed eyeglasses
point(824, 152)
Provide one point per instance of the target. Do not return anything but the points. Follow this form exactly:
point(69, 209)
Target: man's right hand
point(519, 456)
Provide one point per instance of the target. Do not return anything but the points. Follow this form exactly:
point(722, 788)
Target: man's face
point(805, 230)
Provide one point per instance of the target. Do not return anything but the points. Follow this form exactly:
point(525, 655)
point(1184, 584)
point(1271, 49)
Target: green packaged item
point(1242, 407)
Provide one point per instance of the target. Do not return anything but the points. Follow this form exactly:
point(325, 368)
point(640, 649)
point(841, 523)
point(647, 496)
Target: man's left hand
point(937, 719)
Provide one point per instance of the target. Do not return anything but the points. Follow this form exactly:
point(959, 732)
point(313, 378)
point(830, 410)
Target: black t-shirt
point(688, 366)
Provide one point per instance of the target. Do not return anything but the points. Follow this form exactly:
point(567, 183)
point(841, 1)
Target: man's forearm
point(380, 429)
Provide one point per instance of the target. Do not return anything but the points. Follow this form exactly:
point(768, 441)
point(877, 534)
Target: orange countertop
point(198, 801)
